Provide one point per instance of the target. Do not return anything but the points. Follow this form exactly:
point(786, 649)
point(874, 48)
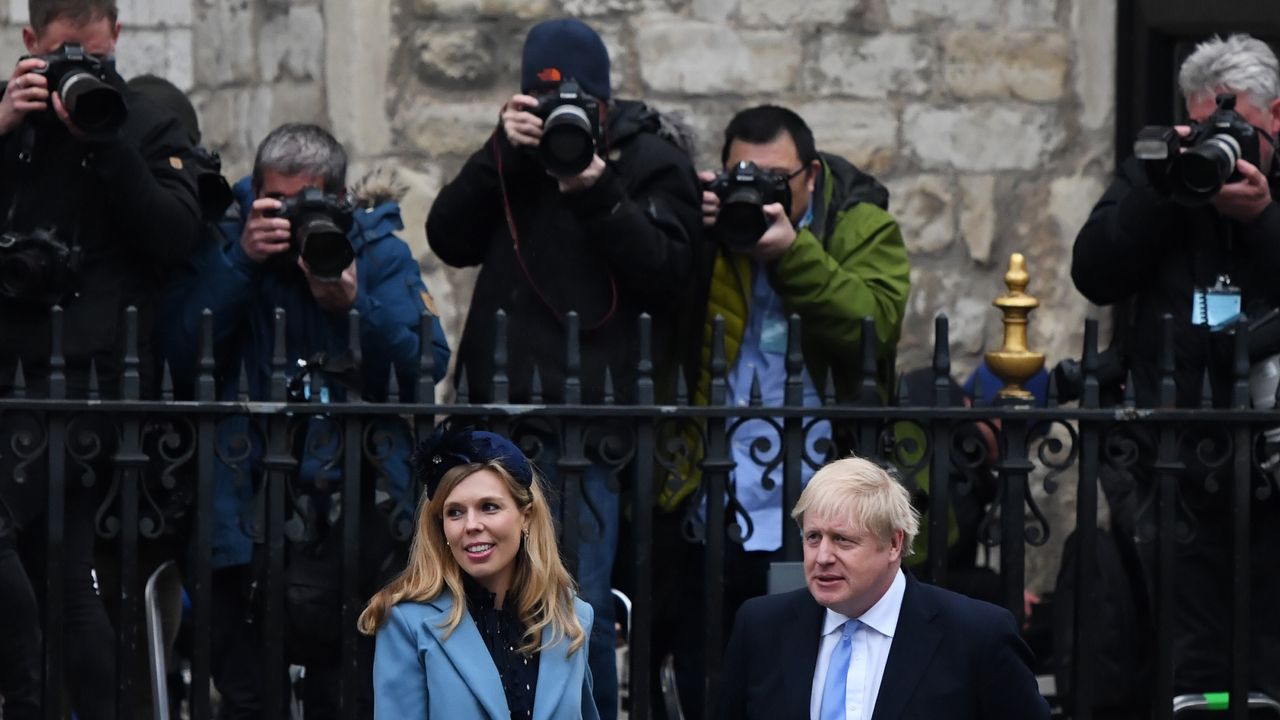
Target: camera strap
point(515, 244)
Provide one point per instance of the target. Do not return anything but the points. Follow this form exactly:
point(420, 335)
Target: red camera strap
point(515, 244)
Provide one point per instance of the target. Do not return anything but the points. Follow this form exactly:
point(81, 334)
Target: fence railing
point(153, 463)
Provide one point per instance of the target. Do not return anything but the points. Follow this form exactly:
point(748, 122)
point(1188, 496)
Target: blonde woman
point(484, 621)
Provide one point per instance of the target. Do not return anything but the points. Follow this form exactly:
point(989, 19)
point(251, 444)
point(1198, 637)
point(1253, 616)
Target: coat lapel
point(914, 642)
point(553, 675)
point(467, 652)
point(799, 657)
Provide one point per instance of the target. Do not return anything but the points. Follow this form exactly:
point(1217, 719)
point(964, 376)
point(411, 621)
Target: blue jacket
point(419, 674)
point(242, 296)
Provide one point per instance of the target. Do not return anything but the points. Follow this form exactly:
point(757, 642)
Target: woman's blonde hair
point(542, 590)
point(866, 495)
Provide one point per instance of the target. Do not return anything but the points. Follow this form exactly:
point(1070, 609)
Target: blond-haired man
point(864, 640)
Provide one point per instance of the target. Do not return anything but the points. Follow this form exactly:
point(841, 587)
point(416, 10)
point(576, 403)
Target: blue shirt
point(763, 355)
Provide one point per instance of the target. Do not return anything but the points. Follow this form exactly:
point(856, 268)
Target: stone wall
point(990, 120)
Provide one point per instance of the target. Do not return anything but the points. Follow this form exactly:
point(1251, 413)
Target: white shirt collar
point(882, 617)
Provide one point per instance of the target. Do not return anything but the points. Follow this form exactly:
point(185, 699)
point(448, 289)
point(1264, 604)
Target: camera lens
point(323, 246)
point(741, 220)
point(94, 106)
point(568, 143)
point(1199, 173)
point(20, 276)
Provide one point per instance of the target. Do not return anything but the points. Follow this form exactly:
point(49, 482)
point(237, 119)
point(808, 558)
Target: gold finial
point(1013, 362)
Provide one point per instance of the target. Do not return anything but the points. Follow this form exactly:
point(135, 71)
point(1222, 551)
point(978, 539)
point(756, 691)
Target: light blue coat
point(417, 673)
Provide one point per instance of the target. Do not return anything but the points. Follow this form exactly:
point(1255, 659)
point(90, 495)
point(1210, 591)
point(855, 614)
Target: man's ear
point(896, 544)
point(1273, 114)
point(30, 39)
point(815, 169)
point(115, 33)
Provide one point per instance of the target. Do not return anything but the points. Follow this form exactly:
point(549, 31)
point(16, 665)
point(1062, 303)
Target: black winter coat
point(611, 252)
point(1140, 247)
point(130, 204)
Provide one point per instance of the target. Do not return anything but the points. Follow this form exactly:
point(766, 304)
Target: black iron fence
point(153, 462)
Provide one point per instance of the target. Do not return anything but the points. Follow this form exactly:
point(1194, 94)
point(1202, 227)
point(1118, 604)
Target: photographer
point(96, 207)
point(296, 243)
point(791, 230)
point(577, 202)
point(1193, 231)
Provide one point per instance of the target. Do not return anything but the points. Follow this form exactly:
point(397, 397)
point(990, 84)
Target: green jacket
point(849, 263)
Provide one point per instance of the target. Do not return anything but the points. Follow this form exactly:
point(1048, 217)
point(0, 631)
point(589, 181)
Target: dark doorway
point(1152, 39)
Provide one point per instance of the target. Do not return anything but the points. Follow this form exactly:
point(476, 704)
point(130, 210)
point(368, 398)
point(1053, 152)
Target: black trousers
point(88, 646)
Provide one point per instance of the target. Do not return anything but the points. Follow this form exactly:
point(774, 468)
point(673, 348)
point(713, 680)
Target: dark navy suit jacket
point(952, 657)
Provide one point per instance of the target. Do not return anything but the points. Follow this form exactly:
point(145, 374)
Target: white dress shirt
point(868, 655)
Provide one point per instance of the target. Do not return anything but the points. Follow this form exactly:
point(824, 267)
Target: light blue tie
point(838, 674)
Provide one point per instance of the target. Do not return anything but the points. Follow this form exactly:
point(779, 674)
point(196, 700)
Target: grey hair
point(300, 148)
point(1240, 63)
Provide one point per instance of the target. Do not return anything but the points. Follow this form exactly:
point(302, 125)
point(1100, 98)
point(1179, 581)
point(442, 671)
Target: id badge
point(773, 335)
point(1218, 306)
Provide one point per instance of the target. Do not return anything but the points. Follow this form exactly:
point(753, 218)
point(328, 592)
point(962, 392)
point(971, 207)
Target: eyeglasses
point(783, 174)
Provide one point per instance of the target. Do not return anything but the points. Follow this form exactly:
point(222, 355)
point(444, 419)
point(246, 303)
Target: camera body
point(570, 128)
point(36, 267)
point(83, 81)
point(744, 190)
point(319, 223)
point(1193, 169)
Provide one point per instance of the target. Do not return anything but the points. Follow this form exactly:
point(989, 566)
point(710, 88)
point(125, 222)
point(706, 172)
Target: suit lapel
point(467, 652)
point(553, 675)
point(914, 641)
point(800, 656)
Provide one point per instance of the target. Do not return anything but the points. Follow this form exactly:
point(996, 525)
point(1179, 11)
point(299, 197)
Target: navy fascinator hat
point(449, 448)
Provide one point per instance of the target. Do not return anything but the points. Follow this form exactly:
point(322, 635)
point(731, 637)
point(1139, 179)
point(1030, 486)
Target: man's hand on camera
point(61, 111)
point(333, 295)
point(779, 238)
point(264, 236)
point(584, 179)
point(710, 201)
point(1244, 200)
point(522, 127)
point(26, 92)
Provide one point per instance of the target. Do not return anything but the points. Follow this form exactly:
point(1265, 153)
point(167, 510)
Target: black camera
point(36, 267)
point(744, 190)
point(570, 129)
point(1068, 377)
point(319, 222)
point(1193, 169)
point(84, 83)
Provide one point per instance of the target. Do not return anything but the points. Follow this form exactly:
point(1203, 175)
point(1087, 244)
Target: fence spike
point(1165, 363)
point(426, 391)
point(57, 362)
point(941, 360)
point(573, 360)
point(166, 381)
point(501, 384)
point(1052, 398)
point(278, 357)
point(19, 381)
point(131, 381)
point(979, 388)
point(1130, 393)
point(869, 392)
point(464, 393)
point(644, 367)
point(793, 387)
point(829, 387)
point(904, 393)
point(1206, 391)
point(205, 390)
point(1089, 392)
point(756, 398)
point(535, 386)
point(682, 387)
point(393, 384)
point(93, 379)
point(719, 386)
point(242, 383)
point(608, 385)
point(1240, 387)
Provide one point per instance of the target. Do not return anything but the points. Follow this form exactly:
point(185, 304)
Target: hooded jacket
point(849, 263)
point(611, 252)
point(242, 296)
